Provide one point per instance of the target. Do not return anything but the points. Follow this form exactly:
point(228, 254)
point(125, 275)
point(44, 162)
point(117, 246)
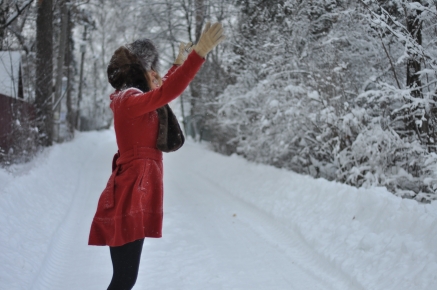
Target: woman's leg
point(125, 262)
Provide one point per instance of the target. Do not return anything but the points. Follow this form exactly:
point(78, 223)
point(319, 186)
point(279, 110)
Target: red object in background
point(11, 111)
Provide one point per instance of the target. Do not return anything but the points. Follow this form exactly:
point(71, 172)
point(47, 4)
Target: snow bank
point(381, 240)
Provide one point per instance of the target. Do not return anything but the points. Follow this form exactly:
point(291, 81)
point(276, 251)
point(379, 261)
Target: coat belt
point(124, 158)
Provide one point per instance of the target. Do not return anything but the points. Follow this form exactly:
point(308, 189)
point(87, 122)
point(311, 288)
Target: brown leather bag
point(170, 135)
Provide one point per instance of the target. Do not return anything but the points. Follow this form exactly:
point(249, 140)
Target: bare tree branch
point(16, 14)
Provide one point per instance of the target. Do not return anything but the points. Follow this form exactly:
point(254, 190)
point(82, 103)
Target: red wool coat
point(131, 205)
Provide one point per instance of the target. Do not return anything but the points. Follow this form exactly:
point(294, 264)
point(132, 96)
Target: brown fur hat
point(125, 70)
point(146, 51)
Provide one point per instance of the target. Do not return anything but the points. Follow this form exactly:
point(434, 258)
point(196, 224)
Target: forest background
point(344, 90)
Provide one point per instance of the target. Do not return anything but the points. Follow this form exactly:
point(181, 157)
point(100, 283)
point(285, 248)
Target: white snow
point(274, 103)
point(229, 224)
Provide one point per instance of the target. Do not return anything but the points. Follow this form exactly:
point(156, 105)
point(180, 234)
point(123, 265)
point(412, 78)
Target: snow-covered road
point(228, 224)
point(212, 240)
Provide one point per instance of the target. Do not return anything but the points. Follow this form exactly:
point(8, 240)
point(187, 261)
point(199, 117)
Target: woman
point(130, 207)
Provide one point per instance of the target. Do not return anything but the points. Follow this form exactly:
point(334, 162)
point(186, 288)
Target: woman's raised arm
point(137, 103)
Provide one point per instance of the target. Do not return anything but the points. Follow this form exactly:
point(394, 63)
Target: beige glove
point(211, 36)
point(184, 50)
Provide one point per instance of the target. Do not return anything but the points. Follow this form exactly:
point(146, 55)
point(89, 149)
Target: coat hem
point(119, 231)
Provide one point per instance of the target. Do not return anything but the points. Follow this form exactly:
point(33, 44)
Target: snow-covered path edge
point(36, 199)
point(375, 238)
point(382, 241)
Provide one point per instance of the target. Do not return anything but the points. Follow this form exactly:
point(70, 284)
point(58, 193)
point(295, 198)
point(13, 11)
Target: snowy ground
point(229, 224)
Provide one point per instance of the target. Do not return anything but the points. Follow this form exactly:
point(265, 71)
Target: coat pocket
point(143, 185)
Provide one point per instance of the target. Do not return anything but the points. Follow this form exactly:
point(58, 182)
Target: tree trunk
point(44, 71)
point(200, 17)
point(195, 85)
point(60, 68)
point(82, 59)
point(414, 26)
point(3, 13)
point(70, 77)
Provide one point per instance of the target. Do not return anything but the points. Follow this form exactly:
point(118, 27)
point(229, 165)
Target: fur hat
point(129, 63)
point(126, 70)
point(146, 51)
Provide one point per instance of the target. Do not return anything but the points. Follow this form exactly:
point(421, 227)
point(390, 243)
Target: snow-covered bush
point(320, 90)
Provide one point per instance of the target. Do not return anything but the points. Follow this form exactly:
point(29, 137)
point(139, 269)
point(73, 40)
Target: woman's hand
point(211, 36)
point(184, 50)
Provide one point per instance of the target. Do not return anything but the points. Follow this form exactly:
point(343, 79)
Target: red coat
point(131, 205)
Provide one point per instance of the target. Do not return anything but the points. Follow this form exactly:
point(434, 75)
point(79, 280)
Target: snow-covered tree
point(336, 89)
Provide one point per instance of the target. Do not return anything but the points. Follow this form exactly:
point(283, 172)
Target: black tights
point(125, 262)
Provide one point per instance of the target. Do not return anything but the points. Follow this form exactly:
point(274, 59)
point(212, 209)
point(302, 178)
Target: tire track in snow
point(70, 261)
point(289, 241)
point(286, 257)
point(217, 251)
